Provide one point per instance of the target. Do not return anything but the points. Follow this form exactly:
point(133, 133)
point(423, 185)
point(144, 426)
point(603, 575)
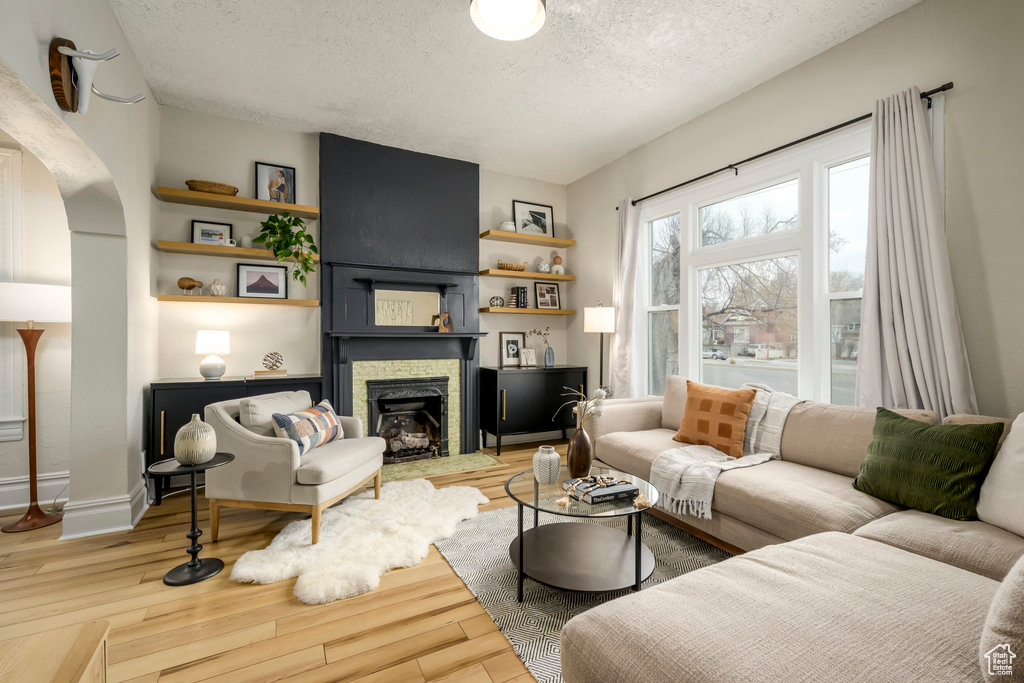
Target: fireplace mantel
point(469, 340)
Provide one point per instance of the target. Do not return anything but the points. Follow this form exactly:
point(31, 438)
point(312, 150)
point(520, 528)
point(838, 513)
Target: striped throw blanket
point(685, 477)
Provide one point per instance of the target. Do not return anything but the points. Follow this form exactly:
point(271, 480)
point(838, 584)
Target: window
point(12, 370)
point(757, 277)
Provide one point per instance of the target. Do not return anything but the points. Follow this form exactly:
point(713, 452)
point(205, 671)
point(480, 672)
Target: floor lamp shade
point(20, 302)
point(599, 319)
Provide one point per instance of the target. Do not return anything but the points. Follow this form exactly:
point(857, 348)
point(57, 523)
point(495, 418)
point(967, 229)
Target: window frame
point(12, 362)
point(808, 164)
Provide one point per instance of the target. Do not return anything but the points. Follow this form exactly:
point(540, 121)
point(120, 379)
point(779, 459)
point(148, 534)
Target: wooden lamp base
point(34, 518)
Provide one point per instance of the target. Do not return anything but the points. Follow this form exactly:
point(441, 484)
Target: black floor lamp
point(599, 319)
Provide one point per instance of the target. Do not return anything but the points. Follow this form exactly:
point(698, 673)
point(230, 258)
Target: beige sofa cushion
point(834, 438)
point(338, 458)
point(633, 452)
point(964, 419)
point(674, 403)
point(829, 607)
point(1004, 627)
point(256, 412)
point(791, 500)
point(975, 546)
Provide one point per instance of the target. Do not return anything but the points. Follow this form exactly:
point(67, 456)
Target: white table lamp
point(212, 343)
point(599, 319)
point(25, 303)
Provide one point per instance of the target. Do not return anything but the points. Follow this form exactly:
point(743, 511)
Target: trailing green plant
point(286, 236)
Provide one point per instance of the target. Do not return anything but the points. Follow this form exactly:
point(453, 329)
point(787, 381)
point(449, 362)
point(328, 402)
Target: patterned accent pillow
point(309, 428)
point(716, 417)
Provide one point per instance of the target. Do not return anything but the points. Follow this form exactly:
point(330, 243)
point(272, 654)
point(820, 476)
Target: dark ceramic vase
point(580, 455)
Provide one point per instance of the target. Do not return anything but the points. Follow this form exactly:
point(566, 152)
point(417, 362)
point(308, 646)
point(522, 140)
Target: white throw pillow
point(256, 413)
point(1000, 502)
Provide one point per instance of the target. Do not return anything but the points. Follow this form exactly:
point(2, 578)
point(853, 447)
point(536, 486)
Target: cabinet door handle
point(581, 390)
point(163, 415)
point(502, 404)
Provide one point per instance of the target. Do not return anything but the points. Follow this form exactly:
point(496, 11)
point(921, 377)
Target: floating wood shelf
point(218, 250)
point(529, 275)
point(309, 303)
point(224, 201)
point(535, 240)
point(528, 311)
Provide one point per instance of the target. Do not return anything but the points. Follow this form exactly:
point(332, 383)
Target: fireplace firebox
point(411, 415)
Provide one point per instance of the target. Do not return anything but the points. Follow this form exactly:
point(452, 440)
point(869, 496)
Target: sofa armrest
point(626, 415)
point(264, 466)
point(351, 426)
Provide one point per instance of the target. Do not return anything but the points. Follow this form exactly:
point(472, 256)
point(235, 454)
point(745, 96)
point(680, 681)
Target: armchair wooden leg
point(214, 519)
point(376, 485)
point(316, 524)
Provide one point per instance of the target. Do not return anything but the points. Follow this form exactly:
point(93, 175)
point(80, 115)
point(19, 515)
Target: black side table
point(195, 570)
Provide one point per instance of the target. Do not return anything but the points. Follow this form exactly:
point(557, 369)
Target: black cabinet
point(524, 400)
point(172, 402)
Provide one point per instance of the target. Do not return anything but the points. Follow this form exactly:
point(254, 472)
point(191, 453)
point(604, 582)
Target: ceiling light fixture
point(508, 19)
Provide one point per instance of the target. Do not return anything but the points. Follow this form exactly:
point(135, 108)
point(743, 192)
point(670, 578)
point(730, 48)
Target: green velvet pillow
point(933, 468)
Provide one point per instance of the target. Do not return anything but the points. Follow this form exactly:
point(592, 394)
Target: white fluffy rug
point(360, 539)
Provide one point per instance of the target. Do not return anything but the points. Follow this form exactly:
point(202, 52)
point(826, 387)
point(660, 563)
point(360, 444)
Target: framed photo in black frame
point(547, 295)
point(209, 232)
point(533, 219)
point(260, 281)
point(275, 183)
point(510, 346)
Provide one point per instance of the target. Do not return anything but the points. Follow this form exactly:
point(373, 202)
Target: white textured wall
point(46, 259)
point(214, 148)
point(976, 45)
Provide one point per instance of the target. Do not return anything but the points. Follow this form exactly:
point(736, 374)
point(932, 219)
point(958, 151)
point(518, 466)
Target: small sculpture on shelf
point(218, 288)
point(273, 364)
point(443, 322)
point(543, 267)
point(497, 302)
point(558, 268)
point(187, 285)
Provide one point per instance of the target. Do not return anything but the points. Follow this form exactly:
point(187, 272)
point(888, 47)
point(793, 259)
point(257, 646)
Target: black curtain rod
point(734, 167)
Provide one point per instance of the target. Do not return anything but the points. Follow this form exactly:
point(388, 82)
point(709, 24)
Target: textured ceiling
point(600, 79)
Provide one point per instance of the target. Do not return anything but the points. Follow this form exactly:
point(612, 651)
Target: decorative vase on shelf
point(546, 464)
point(549, 357)
point(195, 443)
point(580, 455)
point(218, 288)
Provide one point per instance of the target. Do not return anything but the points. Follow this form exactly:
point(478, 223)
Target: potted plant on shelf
point(549, 353)
point(286, 236)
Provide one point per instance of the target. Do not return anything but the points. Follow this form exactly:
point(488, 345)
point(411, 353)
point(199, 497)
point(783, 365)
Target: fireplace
point(411, 415)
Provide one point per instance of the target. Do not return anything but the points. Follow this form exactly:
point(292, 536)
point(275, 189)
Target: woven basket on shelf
point(518, 267)
point(211, 187)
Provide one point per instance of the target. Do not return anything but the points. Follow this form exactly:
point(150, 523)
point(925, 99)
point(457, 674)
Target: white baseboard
point(14, 490)
point(139, 499)
point(97, 516)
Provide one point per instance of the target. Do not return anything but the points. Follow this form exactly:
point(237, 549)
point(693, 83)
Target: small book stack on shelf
point(600, 489)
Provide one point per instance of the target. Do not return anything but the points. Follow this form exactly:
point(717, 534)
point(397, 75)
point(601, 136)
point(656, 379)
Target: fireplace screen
point(411, 415)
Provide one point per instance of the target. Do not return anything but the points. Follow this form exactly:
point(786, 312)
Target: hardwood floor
point(421, 624)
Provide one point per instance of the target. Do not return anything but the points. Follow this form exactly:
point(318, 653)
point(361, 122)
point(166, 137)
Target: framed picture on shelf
point(510, 347)
point(527, 358)
point(275, 183)
point(208, 232)
point(262, 282)
point(533, 219)
point(547, 295)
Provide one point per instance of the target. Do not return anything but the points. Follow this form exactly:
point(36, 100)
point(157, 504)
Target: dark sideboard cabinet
point(524, 400)
point(172, 402)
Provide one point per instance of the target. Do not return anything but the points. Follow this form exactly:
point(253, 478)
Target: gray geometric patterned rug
point(478, 552)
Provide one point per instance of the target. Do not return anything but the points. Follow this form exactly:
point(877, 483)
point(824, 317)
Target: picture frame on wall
point(275, 183)
point(210, 232)
point(532, 218)
point(258, 281)
point(510, 347)
point(546, 295)
point(527, 358)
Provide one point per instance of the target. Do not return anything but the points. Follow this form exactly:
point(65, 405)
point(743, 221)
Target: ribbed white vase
point(546, 463)
point(195, 443)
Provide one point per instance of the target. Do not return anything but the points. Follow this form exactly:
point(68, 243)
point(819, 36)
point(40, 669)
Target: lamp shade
point(213, 341)
point(22, 302)
point(599, 319)
point(508, 19)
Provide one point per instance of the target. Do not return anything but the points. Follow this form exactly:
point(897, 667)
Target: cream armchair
point(268, 473)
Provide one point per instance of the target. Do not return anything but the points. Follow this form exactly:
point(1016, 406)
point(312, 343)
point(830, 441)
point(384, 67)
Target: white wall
point(214, 148)
point(974, 44)
point(46, 259)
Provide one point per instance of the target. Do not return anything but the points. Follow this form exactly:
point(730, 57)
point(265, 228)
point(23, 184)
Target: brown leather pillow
point(715, 417)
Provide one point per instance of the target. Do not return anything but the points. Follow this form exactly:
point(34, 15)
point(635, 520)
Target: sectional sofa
point(839, 585)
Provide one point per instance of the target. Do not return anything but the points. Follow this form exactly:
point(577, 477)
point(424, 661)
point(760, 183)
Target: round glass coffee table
point(579, 556)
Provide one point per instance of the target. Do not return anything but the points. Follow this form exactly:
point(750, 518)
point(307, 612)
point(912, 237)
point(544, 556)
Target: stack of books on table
point(600, 489)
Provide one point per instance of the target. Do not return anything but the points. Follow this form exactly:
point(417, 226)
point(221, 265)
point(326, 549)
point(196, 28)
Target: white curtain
point(624, 381)
point(912, 352)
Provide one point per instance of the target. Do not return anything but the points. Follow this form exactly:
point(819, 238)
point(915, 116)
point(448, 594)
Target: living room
point(523, 341)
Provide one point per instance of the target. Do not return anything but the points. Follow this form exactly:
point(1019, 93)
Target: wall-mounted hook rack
point(72, 72)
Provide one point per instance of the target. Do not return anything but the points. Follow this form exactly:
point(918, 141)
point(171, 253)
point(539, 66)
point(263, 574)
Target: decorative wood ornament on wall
point(61, 74)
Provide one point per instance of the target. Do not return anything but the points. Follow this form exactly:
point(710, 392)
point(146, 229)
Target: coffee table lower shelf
point(582, 557)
